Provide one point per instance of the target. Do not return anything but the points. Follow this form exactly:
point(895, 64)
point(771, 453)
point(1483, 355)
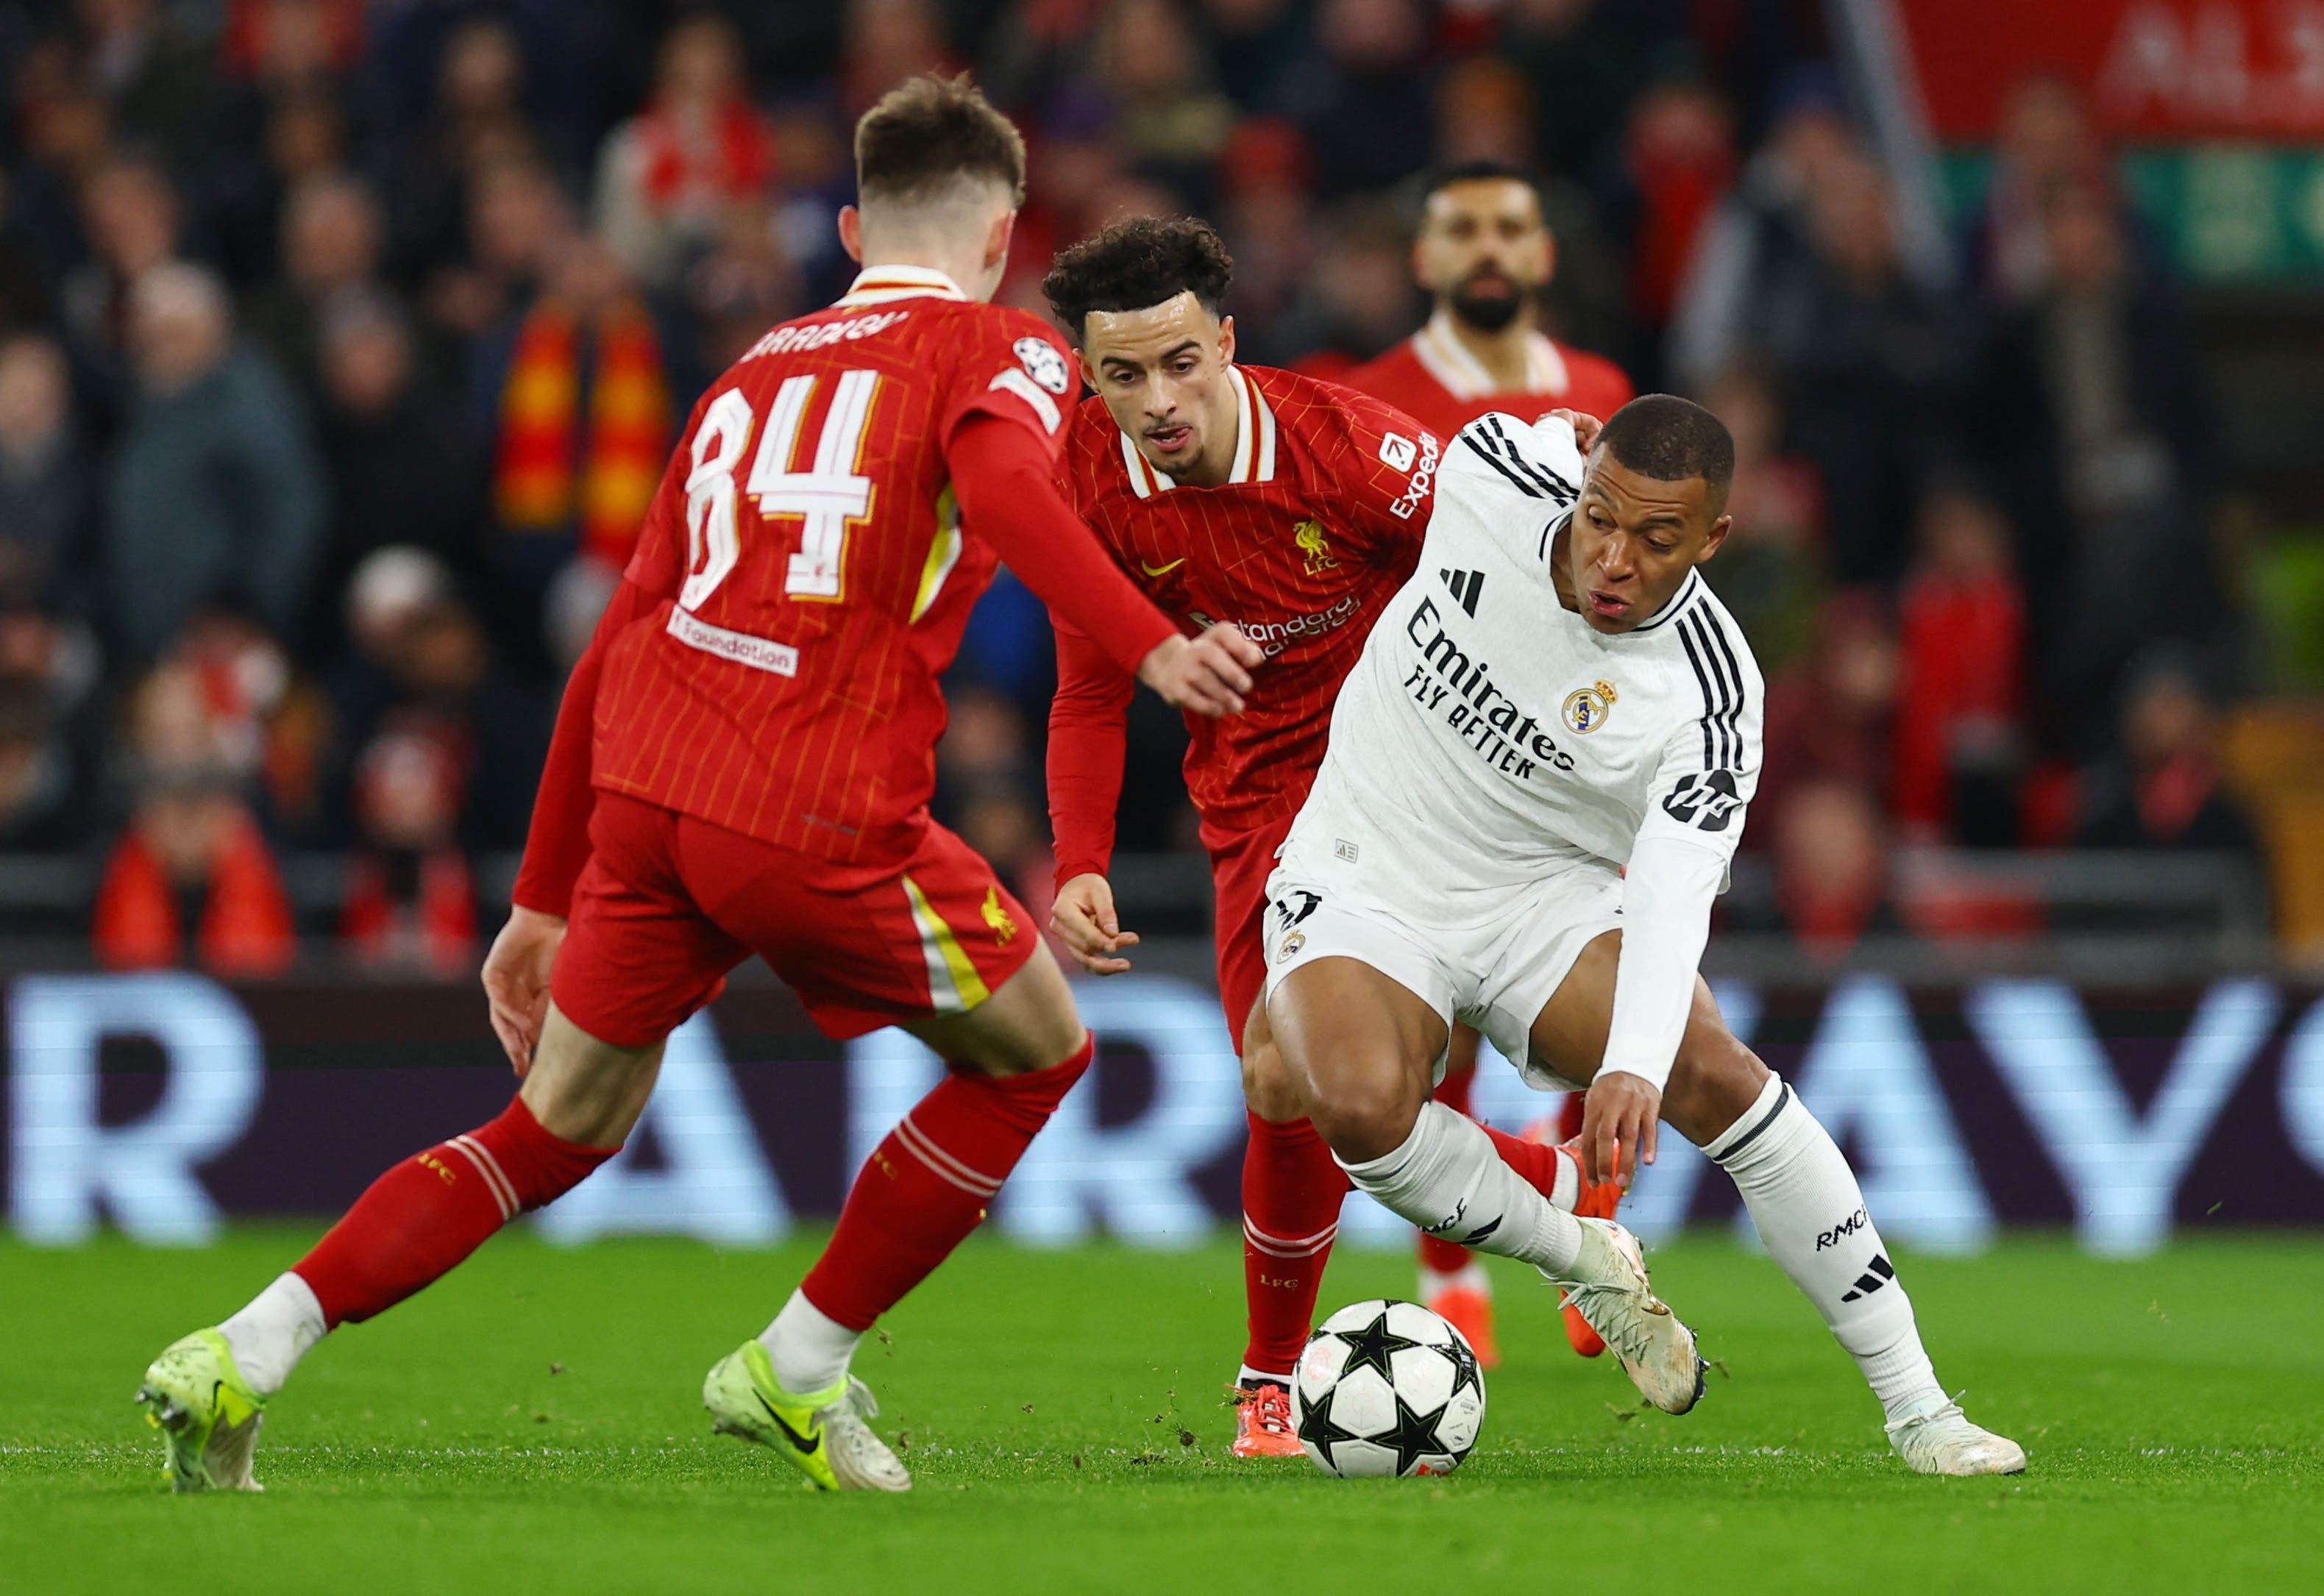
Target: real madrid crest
point(1586, 708)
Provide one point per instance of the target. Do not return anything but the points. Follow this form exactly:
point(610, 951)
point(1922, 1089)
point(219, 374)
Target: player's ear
point(1089, 369)
point(1718, 530)
point(1226, 340)
point(997, 237)
point(850, 233)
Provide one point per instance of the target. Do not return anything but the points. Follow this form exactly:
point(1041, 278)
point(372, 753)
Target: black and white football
point(1387, 1388)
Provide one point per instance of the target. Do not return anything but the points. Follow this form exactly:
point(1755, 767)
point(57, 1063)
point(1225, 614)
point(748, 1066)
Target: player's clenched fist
point(1620, 1112)
point(1208, 676)
point(1083, 919)
point(516, 980)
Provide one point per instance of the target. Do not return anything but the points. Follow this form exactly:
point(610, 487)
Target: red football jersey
point(1319, 522)
point(813, 572)
point(1430, 378)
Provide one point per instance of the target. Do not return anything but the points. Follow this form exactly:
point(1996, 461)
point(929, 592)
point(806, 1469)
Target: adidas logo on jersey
point(1465, 585)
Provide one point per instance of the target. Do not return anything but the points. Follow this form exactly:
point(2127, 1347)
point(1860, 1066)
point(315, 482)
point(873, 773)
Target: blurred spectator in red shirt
point(667, 177)
point(1832, 868)
point(1830, 716)
point(1961, 626)
point(1679, 163)
point(410, 896)
point(192, 868)
point(2162, 791)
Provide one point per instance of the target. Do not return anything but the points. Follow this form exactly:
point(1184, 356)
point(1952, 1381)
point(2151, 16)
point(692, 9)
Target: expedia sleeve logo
point(1043, 363)
point(1707, 801)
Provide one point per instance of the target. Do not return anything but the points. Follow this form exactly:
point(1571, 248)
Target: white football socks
point(1447, 1179)
point(809, 1349)
point(1810, 1212)
point(275, 1332)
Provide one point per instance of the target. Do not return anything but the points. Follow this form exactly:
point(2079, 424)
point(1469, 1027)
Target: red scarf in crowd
point(550, 472)
point(245, 926)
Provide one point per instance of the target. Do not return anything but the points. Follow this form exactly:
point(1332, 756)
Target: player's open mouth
point(1170, 440)
point(1608, 605)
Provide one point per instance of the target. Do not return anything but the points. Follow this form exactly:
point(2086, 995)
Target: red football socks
point(430, 1211)
point(1292, 1189)
point(926, 1187)
point(1436, 1253)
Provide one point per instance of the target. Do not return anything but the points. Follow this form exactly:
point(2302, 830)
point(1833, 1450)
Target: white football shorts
point(1495, 968)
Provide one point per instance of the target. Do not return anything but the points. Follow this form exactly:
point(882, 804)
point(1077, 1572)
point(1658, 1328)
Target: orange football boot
point(1469, 1311)
point(1263, 1422)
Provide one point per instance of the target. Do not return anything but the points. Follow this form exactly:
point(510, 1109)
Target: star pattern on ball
point(1465, 1373)
point(1320, 1430)
point(1372, 1346)
point(1414, 1436)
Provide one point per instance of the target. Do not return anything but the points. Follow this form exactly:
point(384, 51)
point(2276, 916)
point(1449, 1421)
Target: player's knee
point(1268, 1088)
point(1714, 1079)
point(1366, 1116)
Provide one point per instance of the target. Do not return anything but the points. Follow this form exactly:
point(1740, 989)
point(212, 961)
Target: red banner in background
point(2154, 70)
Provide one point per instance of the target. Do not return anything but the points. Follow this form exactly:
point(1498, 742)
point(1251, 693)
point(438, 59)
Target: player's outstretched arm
point(1002, 473)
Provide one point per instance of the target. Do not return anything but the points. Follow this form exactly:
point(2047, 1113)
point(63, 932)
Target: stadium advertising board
point(2154, 69)
point(164, 1103)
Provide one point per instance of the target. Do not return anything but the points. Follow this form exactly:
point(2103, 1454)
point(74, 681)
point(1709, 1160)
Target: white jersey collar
point(1254, 456)
point(1463, 375)
point(879, 285)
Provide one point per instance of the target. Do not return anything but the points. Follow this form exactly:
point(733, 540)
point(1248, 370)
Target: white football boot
point(1943, 1440)
point(1608, 1285)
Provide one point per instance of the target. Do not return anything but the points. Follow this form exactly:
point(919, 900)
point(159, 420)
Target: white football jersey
point(1489, 733)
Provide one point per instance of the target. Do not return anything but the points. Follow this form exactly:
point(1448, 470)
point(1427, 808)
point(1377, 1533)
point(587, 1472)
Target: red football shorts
point(1240, 863)
point(669, 903)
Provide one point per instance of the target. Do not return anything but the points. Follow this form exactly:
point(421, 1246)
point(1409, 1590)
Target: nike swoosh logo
point(798, 1442)
point(1162, 570)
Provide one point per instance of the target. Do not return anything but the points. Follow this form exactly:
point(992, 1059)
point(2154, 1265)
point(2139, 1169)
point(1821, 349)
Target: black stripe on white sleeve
point(1555, 485)
point(1702, 679)
point(1485, 453)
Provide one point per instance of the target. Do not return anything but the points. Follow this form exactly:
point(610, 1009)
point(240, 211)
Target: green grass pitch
point(533, 1423)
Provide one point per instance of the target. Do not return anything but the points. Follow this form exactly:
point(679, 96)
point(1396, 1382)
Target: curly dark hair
point(1138, 263)
point(929, 131)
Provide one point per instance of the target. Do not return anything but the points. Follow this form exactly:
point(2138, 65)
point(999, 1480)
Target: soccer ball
point(1387, 1388)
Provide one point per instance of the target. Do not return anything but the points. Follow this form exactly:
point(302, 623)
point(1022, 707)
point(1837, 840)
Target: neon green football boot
point(824, 1435)
point(207, 1415)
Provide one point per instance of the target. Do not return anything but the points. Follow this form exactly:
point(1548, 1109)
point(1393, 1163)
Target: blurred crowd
point(342, 345)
